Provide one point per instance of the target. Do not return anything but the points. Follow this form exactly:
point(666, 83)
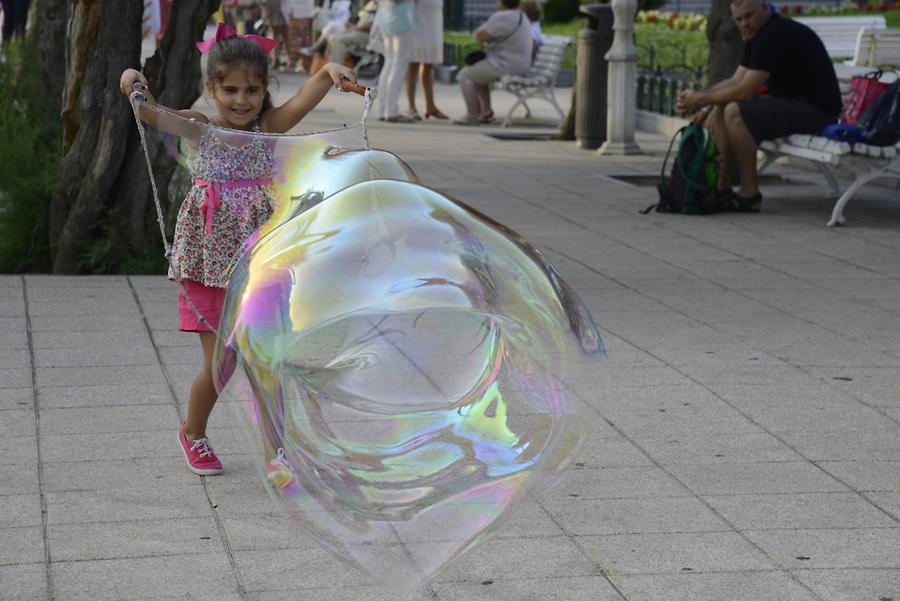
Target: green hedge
point(668, 42)
point(26, 186)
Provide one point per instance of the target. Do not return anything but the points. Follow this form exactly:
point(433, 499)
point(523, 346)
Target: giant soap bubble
point(401, 361)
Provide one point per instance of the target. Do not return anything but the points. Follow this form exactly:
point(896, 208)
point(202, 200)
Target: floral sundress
point(209, 239)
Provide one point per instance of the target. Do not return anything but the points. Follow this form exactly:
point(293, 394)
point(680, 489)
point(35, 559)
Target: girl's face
point(238, 97)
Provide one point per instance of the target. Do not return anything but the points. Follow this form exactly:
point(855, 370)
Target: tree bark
point(47, 32)
point(103, 188)
point(725, 45)
point(567, 129)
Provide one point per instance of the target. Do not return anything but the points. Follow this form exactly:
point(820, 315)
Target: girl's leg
point(411, 73)
point(426, 74)
point(203, 392)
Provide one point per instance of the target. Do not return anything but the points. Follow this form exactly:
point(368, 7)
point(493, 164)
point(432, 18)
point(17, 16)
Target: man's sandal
point(729, 201)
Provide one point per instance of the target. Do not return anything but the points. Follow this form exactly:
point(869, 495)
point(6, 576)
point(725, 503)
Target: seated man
point(340, 37)
point(802, 96)
point(356, 35)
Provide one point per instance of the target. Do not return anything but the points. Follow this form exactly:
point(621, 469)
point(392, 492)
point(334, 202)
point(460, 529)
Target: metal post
point(621, 114)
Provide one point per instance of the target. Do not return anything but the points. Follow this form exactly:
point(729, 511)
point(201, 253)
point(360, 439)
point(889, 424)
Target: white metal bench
point(865, 163)
point(839, 34)
point(877, 48)
point(540, 81)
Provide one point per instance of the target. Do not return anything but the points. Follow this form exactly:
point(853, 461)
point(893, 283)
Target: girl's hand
point(128, 79)
point(337, 72)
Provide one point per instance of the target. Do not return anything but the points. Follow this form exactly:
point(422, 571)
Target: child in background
point(535, 13)
point(206, 236)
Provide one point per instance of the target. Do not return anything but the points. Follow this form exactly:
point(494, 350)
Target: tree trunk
point(47, 21)
point(725, 45)
point(567, 129)
point(103, 189)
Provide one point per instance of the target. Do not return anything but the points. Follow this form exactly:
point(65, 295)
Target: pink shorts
point(207, 300)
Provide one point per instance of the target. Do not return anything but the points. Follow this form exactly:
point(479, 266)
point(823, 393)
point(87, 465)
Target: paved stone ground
point(744, 444)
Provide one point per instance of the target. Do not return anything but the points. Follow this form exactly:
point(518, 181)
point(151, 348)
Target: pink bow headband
point(225, 31)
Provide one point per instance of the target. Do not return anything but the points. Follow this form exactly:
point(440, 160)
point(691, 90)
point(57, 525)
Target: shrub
point(561, 11)
point(26, 186)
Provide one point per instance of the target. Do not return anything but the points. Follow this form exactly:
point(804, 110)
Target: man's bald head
point(747, 3)
point(750, 16)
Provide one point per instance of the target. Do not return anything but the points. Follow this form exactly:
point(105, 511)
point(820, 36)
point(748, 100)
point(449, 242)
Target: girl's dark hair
point(230, 53)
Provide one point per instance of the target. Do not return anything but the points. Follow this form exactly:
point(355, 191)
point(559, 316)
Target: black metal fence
point(658, 93)
point(659, 82)
point(466, 15)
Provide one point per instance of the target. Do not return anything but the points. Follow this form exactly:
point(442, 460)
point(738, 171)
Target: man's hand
point(701, 115)
point(688, 101)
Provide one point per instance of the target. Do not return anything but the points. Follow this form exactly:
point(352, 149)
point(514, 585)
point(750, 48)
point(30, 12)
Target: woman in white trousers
point(397, 23)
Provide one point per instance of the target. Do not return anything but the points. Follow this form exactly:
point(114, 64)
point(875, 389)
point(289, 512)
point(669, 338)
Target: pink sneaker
point(199, 455)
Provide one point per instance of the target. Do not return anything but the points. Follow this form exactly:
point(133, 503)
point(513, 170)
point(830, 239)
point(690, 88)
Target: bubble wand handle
point(369, 94)
point(349, 86)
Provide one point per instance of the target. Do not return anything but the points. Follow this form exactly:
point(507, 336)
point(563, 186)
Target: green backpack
point(691, 188)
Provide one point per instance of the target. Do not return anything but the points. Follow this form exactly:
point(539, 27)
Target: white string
point(367, 105)
point(137, 98)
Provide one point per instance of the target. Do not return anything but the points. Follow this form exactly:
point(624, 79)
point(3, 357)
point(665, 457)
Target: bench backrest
point(877, 48)
point(549, 57)
point(839, 34)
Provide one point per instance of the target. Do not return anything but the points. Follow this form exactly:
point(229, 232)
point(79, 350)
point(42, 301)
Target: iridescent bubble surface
point(402, 362)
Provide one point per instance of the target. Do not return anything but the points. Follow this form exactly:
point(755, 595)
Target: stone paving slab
point(134, 539)
point(735, 586)
point(165, 577)
point(849, 585)
point(25, 582)
point(801, 510)
point(743, 437)
point(674, 553)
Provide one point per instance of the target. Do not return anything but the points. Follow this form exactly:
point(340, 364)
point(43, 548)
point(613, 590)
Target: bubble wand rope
point(136, 98)
point(369, 95)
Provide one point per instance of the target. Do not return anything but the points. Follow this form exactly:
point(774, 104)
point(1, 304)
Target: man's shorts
point(769, 117)
point(481, 73)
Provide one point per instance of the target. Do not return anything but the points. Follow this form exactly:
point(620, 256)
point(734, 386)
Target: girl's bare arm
point(172, 126)
point(283, 118)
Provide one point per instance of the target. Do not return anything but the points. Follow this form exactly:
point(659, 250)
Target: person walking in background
point(396, 20)
point(278, 30)
point(535, 13)
point(299, 14)
point(508, 50)
point(428, 51)
point(15, 18)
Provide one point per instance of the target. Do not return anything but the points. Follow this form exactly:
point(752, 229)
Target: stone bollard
point(621, 110)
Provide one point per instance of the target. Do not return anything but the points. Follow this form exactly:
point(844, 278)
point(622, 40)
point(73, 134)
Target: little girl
point(207, 233)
